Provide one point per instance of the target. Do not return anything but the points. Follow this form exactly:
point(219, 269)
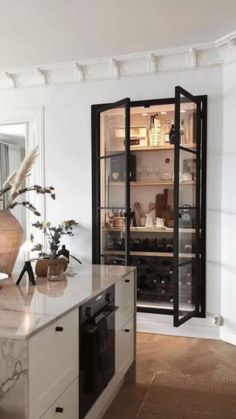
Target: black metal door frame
point(96, 111)
point(95, 129)
point(179, 91)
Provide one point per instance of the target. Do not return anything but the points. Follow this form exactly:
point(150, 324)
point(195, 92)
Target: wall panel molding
point(193, 57)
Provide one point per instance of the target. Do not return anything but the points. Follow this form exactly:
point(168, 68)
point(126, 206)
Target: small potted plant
point(53, 236)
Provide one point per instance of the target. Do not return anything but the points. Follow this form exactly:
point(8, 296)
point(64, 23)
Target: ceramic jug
point(160, 222)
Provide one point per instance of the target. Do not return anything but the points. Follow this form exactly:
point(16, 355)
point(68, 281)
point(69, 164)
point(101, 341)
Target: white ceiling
point(34, 32)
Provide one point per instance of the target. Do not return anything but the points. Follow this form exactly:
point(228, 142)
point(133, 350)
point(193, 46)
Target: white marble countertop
point(24, 310)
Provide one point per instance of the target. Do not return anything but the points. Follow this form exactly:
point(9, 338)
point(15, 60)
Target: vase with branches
point(53, 234)
point(12, 194)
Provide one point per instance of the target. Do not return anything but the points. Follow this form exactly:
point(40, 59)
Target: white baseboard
point(227, 336)
point(159, 324)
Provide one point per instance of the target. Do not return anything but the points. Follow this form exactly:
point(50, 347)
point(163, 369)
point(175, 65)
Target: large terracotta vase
point(11, 236)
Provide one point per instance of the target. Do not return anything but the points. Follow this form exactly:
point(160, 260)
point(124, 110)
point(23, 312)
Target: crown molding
point(218, 53)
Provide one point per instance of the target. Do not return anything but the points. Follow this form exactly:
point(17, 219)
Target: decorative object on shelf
point(167, 132)
point(190, 167)
point(155, 130)
point(143, 221)
point(138, 136)
point(152, 211)
point(53, 235)
point(118, 222)
point(11, 232)
point(163, 210)
point(160, 222)
point(132, 219)
point(149, 222)
point(27, 269)
point(182, 133)
point(167, 175)
point(140, 216)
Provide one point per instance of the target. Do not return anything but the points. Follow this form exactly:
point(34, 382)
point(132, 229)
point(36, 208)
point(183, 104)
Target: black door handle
point(59, 329)
point(59, 409)
point(127, 280)
point(127, 330)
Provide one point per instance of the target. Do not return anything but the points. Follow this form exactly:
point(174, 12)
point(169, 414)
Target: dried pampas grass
point(24, 171)
point(15, 184)
point(8, 182)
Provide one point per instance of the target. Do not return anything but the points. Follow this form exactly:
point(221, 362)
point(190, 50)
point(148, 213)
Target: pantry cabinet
point(149, 198)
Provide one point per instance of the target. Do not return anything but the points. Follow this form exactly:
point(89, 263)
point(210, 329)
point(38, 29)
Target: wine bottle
point(169, 248)
point(172, 134)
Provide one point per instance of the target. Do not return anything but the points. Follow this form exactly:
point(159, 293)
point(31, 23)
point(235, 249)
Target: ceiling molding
point(193, 57)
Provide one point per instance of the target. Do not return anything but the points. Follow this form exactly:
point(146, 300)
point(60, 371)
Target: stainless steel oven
point(97, 348)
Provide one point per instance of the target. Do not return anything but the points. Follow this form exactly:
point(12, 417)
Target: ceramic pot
point(41, 267)
point(11, 236)
point(118, 222)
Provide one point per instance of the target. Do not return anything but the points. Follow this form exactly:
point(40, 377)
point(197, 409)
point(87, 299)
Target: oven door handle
point(106, 313)
point(110, 310)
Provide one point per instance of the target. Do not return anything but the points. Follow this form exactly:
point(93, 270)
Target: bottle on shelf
point(172, 133)
point(182, 132)
point(167, 132)
point(155, 130)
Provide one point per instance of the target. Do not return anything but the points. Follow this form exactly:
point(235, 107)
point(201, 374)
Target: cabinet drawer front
point(124, 296)
point(66, 406)
point(53, 362)
point(125, 348)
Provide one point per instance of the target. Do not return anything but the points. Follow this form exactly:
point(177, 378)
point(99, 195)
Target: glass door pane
point(114, 138)
point(187, 184)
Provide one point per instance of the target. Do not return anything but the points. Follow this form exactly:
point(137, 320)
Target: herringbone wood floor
point(207, 358)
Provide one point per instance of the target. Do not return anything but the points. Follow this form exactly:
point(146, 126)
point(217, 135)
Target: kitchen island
point(40, 342)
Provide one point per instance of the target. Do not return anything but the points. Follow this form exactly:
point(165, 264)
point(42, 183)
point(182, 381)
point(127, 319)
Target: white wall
point(68, 152)
point(228, 228)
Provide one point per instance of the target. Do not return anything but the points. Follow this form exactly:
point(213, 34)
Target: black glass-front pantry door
point(111, 191)
point(187, 206)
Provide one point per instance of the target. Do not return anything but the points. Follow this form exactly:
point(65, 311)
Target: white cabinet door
point(125, 347)
point(66, 406)
point(53, 362)
point(124, 298)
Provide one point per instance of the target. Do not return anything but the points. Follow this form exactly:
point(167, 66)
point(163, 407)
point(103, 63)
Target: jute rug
point(186, 397)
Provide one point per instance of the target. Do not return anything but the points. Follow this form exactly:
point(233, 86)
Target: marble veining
point(24, 310)
point(13, 379)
